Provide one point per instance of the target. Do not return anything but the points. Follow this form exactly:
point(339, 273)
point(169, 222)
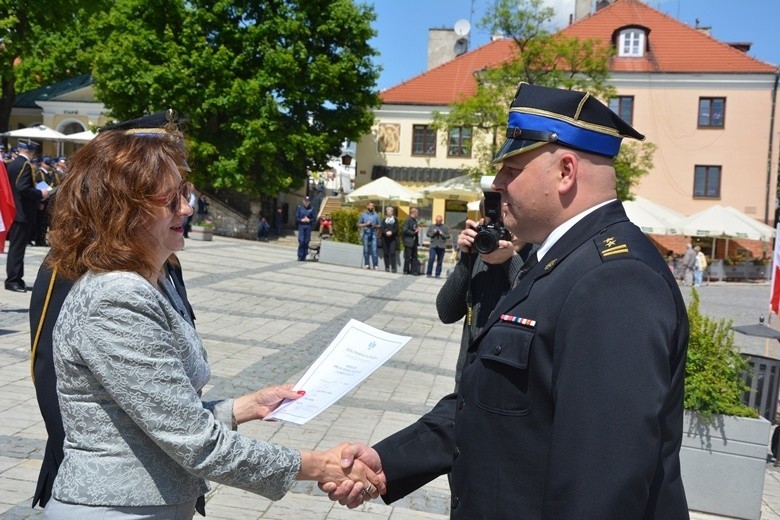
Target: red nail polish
point(301, 392)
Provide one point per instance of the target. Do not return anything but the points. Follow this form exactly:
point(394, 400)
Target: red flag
point(7, 206)
point(774, 298)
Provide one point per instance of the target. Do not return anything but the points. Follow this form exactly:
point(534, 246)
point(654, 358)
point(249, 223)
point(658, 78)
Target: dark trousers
point(18, 237)
point(304, 235)
point(436, 253)
point(410, 260)
point(389, 245)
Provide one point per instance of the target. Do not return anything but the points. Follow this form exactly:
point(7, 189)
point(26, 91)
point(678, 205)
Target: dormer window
point(631, 43)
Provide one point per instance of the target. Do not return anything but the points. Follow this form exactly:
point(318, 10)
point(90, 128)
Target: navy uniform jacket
point(26, 196)
point(571, 400)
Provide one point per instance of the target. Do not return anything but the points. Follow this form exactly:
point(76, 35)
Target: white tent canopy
point(37, 132)
point(384, 189)
point(457, 188)
point(725, 221)
point(80, 137)
point(652, 217)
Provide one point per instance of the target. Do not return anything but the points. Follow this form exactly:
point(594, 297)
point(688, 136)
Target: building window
point(624, 107)
point(712, 112)
point(706, 182)
point(423, 140)
point(631, 43)
point(459, 143)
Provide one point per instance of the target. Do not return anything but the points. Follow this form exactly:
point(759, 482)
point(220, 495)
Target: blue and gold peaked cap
point(540, 115)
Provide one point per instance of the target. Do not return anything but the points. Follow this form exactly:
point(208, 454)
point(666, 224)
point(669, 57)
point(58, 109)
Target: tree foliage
point(40, 44)
point(542, 58)
point(268, 89)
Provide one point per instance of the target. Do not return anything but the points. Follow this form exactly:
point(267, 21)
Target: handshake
point(358, 478)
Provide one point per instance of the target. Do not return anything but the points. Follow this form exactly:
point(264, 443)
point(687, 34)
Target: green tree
point(41, 43)
point(542, 58)
point(268, 89)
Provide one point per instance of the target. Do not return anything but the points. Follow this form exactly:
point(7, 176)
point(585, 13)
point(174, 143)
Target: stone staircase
point(329, 205)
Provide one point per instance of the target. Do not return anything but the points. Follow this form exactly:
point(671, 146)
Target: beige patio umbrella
point(457, 188)
point(36, 132)
point(384, 189)
point(651, 217)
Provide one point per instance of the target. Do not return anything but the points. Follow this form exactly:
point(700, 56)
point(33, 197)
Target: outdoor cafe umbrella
point(80, 137)
point(651, 217)
point(725, 222)
point(384, 189)
point(457, 188)
point(36, 132)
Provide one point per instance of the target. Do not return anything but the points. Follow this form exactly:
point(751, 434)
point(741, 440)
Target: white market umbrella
point(80, 137)
point(653, 218)
point(384, 189)
point(36, 132)
point(725, 221)
point(457, 188)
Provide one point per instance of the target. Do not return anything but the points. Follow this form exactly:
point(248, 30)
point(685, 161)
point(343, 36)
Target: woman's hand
point(259, 404)
point(327, 468)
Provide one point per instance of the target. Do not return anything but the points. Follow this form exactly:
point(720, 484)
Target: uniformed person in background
point(571, 400)
point(26, 198)
point(46, 173)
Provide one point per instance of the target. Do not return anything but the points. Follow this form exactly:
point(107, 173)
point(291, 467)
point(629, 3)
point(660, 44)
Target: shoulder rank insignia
point(611, 247)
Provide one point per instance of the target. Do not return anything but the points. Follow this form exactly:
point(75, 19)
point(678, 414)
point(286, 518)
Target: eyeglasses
point(174, 204)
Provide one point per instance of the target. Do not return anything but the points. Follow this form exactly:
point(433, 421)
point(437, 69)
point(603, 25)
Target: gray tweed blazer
point(130, 371)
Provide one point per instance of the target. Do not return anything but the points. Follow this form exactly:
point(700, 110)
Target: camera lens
point(486, 240)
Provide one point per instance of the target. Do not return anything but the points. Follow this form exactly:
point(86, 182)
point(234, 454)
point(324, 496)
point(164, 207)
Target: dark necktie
point(532, 261)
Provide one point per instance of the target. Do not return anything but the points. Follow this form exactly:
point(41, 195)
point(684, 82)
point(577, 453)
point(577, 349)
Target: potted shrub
point(346, 247)
point(724, 447)
point(202, 230)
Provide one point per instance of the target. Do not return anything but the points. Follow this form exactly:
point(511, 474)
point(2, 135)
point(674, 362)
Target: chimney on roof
point(581, 9)
point(443, 46)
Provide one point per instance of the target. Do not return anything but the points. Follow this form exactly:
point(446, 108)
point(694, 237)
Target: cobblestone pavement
point(264, 318)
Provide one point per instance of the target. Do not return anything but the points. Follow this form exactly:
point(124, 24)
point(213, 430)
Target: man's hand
point(466, 237)
point(349, 493)
point(44, 194)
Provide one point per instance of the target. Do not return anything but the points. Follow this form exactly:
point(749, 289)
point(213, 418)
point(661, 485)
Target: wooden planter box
point(723, 465)
point(201, 233)
point(340, 253)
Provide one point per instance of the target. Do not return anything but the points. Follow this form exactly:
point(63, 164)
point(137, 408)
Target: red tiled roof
point(450, 81)
point(672, 47)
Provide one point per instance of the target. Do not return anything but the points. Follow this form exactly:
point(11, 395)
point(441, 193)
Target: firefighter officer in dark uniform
point(27, 198)
point(47, 173)
point(570, 403)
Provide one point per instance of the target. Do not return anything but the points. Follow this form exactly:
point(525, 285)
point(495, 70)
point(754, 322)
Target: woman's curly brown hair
point(110, 194)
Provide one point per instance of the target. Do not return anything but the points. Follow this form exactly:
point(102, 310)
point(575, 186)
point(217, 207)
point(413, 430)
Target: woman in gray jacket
point(139, 441)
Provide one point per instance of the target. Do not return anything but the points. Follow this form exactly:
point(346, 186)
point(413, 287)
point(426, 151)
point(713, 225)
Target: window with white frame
point(631, 43)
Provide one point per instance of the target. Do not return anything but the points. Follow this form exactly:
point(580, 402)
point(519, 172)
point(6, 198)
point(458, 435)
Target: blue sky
point(403, 27)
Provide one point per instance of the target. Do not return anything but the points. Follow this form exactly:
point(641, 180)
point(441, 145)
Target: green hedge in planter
point(345, 225)
point(714, 370)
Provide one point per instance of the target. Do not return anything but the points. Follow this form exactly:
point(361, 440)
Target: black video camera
point(493, 230)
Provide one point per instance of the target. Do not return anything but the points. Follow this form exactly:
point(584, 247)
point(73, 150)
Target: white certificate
point(356, 352)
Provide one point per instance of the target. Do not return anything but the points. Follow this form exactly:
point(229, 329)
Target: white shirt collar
point(561, 230)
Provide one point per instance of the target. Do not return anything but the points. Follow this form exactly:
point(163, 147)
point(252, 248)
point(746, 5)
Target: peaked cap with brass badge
point(165, 123)
point(541, 115)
